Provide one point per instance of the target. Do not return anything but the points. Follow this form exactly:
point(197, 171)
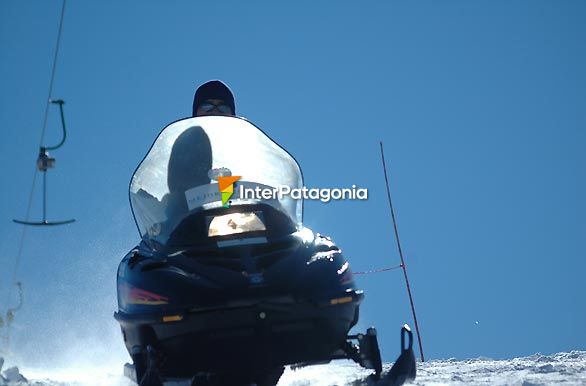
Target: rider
point(213, 98)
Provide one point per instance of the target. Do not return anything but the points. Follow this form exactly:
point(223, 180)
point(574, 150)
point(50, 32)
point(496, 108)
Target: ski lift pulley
point(44, 163)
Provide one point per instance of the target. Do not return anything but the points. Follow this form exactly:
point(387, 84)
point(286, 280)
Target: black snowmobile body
point(293, 301)
point(226, 288)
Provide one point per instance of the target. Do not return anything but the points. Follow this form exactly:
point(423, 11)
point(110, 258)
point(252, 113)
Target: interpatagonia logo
point(226, 186)
point(324, 194)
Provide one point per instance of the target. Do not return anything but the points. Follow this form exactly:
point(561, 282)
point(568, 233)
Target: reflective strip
point(343, 300)
point(172, 318)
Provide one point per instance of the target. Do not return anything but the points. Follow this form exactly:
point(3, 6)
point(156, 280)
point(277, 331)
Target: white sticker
point(206, 194)
point(201, 195)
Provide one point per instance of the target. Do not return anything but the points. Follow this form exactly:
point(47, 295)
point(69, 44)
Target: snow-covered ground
point(567, 368)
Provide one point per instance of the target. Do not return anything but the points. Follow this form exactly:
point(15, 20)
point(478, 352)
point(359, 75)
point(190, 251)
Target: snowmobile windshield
point(224, 171)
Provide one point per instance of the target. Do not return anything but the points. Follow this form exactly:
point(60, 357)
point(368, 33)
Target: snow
point(567, 368)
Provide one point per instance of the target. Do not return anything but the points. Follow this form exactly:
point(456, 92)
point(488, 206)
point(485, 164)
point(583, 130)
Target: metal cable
point(30, 200)
point(378, 270)
point(53, 72)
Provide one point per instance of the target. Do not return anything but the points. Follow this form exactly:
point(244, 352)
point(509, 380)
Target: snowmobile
point(227, 287)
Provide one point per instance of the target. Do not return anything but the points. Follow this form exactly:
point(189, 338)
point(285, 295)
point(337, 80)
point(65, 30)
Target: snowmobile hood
point(203, 165)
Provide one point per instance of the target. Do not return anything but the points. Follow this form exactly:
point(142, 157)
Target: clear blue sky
point(481, 106)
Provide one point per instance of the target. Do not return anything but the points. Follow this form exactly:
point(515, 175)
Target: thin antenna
point(401, 252)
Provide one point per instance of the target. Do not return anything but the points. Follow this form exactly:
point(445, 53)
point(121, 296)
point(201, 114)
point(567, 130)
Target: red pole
point(401, 253)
